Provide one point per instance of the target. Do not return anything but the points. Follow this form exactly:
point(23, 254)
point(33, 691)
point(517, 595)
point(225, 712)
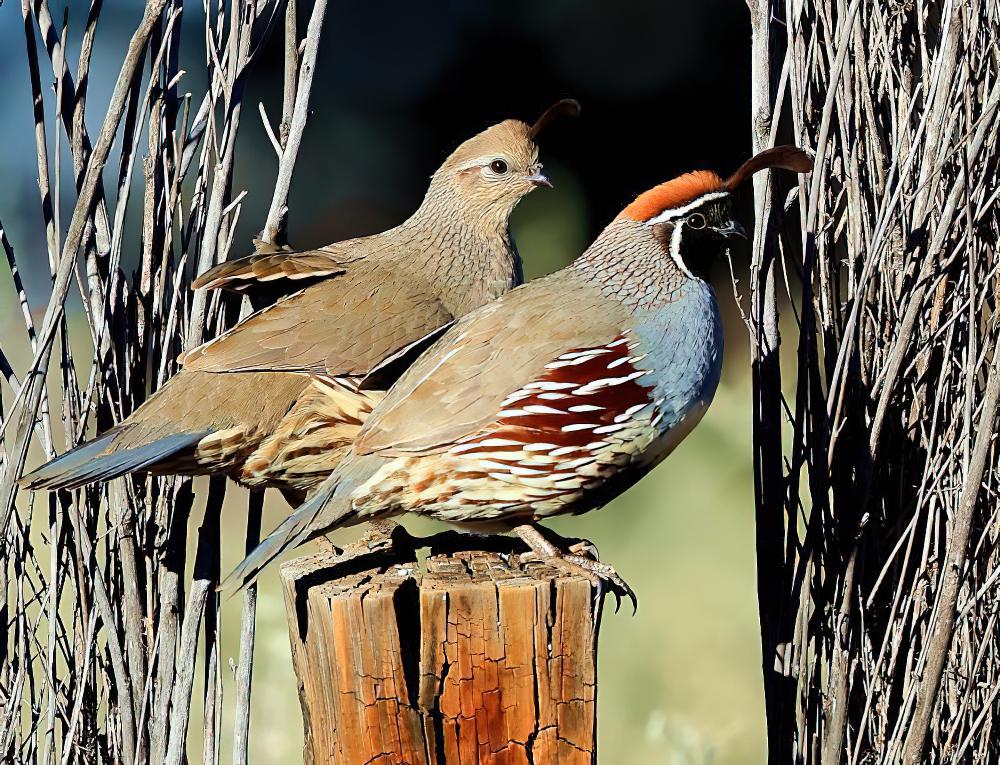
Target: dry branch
point(882, 575)
point(105, 634)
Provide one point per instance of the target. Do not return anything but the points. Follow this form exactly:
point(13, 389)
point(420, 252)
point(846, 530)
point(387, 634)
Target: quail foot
point(277, 400)
point(556, 397)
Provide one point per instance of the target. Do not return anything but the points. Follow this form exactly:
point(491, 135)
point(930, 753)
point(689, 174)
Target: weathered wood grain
point(466, 658)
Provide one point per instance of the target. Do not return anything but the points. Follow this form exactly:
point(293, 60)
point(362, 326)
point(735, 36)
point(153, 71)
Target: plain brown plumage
point(276, 400)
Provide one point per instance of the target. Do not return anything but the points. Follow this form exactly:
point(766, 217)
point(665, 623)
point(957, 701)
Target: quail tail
point(92, 461)
point(329, 507)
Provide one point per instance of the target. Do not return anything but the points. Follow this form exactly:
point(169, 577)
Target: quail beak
point(730, 229)
point(537, 178)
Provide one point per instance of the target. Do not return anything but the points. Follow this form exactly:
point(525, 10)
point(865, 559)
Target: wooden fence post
point(467, 658)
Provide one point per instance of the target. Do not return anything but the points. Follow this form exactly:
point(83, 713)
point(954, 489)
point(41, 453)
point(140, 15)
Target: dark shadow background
point(400, 84)
point(664, 89)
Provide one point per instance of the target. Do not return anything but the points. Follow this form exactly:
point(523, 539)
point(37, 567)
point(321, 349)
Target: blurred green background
point(664, 88)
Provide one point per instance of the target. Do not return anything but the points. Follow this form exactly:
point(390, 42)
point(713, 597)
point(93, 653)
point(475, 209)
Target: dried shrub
point(103, 631)
point(875, 462)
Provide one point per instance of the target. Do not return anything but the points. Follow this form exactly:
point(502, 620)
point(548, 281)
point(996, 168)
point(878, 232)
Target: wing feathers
point(270, 264)
point(341, 326)
point(460, 384)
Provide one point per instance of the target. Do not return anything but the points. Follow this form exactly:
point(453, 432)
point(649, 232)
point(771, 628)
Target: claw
point(382, 536)
point(326, 545)
point(618, 585)
point(600, 573)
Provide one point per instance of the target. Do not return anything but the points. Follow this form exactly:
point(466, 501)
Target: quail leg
point(577, 546)
point(600, 573)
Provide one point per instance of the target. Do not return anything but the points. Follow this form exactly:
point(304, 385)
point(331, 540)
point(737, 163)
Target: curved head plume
point(790, 158)
point(566, 107)
point(680, 192)
point(690, 217)
point(493, 170)
point(512, 137)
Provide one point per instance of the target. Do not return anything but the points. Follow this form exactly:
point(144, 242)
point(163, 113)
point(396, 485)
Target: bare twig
point(244, 670)
point(102, 647)
point(275, 226)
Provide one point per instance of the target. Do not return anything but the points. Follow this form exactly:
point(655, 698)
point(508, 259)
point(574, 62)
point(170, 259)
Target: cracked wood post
point(465, 659)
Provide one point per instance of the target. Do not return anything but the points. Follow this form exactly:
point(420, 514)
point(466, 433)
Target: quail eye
point(696, 220)
point(498, 166)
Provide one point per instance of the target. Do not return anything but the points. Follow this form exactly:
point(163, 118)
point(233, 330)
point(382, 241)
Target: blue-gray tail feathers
point(325, 510)
point(90, 462)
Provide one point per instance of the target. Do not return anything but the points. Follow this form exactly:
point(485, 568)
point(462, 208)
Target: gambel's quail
point(276, 400)
point(559, 395)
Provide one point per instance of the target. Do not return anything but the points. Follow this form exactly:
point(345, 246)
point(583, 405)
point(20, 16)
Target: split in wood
point(472, 656)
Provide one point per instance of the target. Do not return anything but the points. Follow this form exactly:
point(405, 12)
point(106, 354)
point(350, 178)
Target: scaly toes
point(326, 545)
point(600, 574)
point(585, 548)
point(604, 572)
point(381, 535)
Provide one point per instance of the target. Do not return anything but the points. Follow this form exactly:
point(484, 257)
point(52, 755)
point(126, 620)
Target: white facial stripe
point(675, 248)
point(480, 162)
point(677, 212)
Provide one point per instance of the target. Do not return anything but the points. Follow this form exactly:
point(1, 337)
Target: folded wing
point(464, 382)
point(344, 325)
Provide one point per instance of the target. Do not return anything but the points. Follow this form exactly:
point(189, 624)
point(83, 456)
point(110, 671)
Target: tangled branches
point(100, 656)
point(876, 476)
